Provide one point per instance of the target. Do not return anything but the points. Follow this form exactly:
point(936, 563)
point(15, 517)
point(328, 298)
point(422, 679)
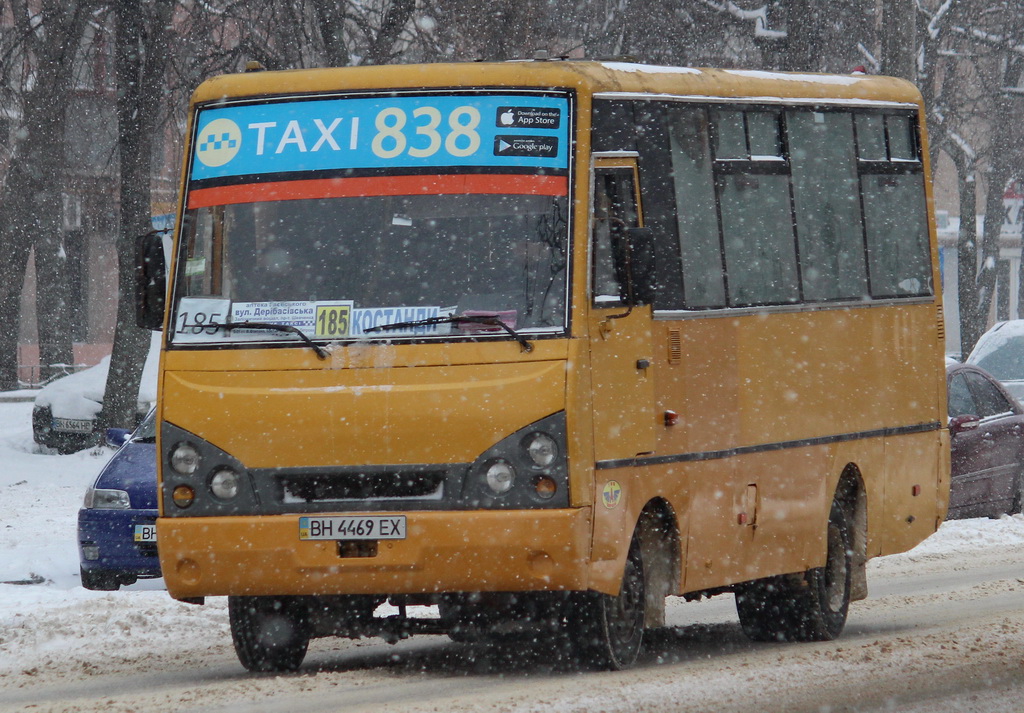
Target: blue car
point(117, 522)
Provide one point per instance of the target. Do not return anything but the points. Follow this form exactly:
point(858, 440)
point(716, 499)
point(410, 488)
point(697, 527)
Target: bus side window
point(752, 185)
point(829, 226)
point(892, 188)
point(696, 212)
point(614, 212)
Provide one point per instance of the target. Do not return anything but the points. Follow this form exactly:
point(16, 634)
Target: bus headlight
point(528, 468)
point(225, 484)
point(184, 459)
point(542, 449)
point(500, 476)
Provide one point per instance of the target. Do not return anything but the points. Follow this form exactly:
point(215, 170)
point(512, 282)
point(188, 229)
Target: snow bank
point(80, 395)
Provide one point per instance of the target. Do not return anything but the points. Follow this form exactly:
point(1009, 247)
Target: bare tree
point(40, 57)
point(383, 40)
point(899, 39)
point(971, 64)
point(966, 53)
point(142, 54)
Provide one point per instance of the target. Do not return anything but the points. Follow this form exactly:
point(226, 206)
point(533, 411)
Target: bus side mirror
point(643, 274)
point(150, 281)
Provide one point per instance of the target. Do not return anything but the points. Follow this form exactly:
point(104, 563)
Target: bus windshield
point(386, 258)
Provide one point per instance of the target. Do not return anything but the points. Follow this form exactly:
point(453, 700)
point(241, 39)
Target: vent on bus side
point(940, 316)
point(675, 346)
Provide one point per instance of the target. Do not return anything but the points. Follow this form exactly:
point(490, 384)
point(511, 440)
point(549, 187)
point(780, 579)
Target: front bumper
point(476, 551)
point(111, 533)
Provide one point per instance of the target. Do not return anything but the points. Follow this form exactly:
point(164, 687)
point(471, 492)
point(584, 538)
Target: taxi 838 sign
point(414, 131)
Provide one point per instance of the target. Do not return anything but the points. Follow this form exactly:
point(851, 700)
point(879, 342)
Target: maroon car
point(986, 427)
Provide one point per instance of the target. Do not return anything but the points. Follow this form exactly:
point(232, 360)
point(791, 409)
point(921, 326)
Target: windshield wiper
point(228, 326)
point(457, 319)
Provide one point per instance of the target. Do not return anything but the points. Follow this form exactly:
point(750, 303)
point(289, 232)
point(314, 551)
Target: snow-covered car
point(65, 411)
point(986, 425)
point(117, 521)
point(1000, 352)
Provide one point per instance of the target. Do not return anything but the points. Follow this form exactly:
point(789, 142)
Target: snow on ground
point(57, 623)
point(79, 395)
point(39, 499)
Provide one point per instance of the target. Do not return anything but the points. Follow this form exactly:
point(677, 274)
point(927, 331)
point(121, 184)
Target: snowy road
point(940, 632)
point(943, 631)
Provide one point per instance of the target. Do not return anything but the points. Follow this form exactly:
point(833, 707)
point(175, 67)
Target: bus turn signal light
point(545, 486)
point(183, 496)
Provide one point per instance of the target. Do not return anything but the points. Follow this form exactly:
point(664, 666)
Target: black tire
point(99, 580)
point(808, 607)
point(607, 632)
point(1017, 506)
point(269, 633)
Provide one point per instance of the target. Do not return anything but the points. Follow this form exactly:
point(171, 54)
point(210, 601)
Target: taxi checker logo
point(218, 142)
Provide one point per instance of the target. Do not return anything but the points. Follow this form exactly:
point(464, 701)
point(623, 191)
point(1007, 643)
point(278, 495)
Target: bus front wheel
point(807, 607)
point(607, 631)
point(269, 633)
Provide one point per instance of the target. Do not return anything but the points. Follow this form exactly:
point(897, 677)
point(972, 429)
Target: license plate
point(74, 425)
point(145, 533)
point(353, 527)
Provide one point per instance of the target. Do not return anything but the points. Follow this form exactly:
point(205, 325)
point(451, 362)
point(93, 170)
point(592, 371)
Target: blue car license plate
point(145, 533)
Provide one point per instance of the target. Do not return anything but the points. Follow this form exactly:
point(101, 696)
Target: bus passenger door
point(620, 337)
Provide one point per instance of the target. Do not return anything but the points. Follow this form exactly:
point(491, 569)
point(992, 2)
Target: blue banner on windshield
point(387, 132)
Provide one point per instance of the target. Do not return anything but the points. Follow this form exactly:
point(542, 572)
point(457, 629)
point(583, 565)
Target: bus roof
point(606, 78)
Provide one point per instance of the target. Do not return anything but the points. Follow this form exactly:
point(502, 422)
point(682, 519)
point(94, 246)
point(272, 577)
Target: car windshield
point(347, 265)
point(1006, 361)
point(146, 431)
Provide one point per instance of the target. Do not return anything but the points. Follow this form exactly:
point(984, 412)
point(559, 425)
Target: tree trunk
point(12, 279)
point(804, 34)
point(382, 48)
point(33, 190)
point(330, 17)
point(990, 244)
point(140, 56)
point(899, 39)
point(971, 326)
point(44, 229)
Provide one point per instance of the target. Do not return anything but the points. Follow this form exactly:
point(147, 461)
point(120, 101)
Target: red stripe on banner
point(470, 183)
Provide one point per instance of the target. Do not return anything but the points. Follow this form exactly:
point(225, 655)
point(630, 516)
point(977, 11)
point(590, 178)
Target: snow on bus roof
point(823, 101)
point(789, 77)
point(840, 79)
point(649, 68)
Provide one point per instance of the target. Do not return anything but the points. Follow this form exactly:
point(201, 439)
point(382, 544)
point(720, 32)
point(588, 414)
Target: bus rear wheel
point(269, 633)
point(608, 630)
point(808, 607)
